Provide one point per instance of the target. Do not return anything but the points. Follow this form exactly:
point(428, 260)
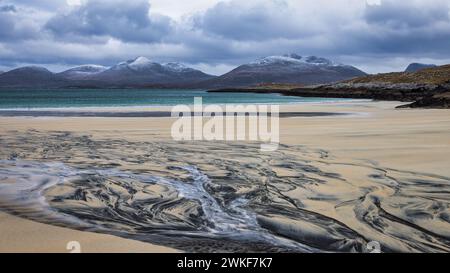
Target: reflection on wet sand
point(218, 196)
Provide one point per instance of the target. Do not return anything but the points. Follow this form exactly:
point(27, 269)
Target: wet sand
point(20, 235)
point(140, 114)
point(335, 184)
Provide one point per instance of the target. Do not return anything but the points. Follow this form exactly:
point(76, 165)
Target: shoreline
point(147, 114)
point(162, 111)
point(437, 98)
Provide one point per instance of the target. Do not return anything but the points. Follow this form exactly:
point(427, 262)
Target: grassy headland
point(427, 88)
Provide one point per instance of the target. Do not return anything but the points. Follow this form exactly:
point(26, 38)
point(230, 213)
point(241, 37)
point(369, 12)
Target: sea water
point(80, 98)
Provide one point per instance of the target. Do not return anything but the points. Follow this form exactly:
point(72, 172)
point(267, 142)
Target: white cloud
point(177, 9)
point(74, 2)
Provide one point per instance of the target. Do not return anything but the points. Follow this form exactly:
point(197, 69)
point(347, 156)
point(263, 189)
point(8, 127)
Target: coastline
point(417, 97)
point(413, 141)
point(146, 114)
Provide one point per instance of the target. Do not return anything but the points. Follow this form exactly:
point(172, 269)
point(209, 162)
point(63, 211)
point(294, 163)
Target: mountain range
point(286, 69)
point(143, 73)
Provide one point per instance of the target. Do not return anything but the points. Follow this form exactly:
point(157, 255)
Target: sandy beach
point(336, 183)
point(23, 236)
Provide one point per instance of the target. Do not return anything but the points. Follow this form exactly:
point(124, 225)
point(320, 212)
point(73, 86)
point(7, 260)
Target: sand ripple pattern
point(217, 196)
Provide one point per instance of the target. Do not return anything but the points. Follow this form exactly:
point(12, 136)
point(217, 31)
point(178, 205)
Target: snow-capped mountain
point(143, 64)
point(83, 71)
point(143, 72)
point(290, 68)
point(293, 59)
point(138, 64)
point(177, 67)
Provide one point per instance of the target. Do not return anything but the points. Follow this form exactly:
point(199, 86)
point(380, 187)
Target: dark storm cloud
point(227, 33)
point(8, 8)
point(39, 4)
point(406, 14)
point(125, 20)
point(13, 26)
point(401, 27)
point(259, 21)
point(389, 27)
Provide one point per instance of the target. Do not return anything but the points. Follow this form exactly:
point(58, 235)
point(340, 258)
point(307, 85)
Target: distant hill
point(31, 76)
point(428, 76)
point(286, 69)
point(414, 67)
point(139, 72)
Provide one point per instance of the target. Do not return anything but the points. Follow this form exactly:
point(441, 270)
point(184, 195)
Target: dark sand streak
point(204, 196)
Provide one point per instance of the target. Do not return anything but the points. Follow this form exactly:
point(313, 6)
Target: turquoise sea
point(79, 98)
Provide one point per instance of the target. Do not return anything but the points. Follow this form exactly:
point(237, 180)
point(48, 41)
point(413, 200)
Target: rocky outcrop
point(441, 101)
point(351, 92)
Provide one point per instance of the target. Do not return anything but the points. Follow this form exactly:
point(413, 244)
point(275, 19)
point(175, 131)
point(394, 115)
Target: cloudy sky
point(217, 35)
